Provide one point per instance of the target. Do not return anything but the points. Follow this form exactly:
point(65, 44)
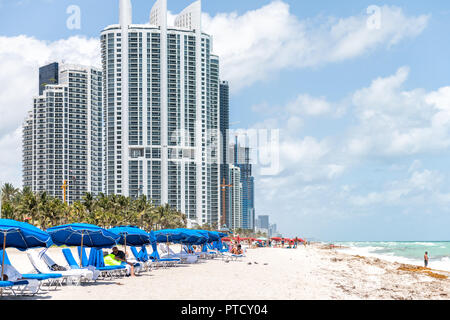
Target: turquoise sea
point(410, 252)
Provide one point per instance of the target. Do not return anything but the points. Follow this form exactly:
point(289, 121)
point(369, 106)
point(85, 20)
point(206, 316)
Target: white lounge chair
point(86, 274)
point(184, 257)
point(69, 277)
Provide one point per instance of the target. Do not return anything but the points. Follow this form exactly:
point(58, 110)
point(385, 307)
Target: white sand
point(304, 273)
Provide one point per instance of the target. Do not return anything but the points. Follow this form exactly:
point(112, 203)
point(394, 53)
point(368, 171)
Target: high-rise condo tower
point(161, 97)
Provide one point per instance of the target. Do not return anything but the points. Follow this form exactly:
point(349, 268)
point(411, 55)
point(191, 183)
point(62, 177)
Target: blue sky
point(364, 136)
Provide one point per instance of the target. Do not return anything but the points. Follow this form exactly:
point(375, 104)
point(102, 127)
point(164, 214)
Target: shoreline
point(307, 273)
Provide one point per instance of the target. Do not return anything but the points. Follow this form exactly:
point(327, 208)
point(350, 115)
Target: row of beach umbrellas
point(23, 236)
point(238, 239)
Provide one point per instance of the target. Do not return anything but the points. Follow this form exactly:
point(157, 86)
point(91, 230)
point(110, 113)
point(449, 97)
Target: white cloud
point(420, 188)
point(20, 59)
point(310, 106)
point(358, 168)
point(395, 122)
point(271, 39)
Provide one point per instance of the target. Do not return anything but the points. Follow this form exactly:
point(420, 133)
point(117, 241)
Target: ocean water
point(404, 252)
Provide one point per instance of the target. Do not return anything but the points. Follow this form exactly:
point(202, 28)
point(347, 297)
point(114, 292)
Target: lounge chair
point(14, 287)
point(142, 257)
point(200, 255)
point(228, 256)
point(105, 271)
point(85, 274)
point(184, 257)
point(74, 265)
point(68, 277)
point(43, 278)
point(162, 262)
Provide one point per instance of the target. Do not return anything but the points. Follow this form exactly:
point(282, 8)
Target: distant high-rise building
point(240, 157)
point(272, 230)
point(263, 222)
point(161, 86)
point(235, 217)
point(224, 127)
point(62, 135)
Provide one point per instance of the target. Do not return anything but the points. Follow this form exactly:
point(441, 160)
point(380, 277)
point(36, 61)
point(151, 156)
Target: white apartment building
point(62, 135)
point(161, 111)
point(235, 220)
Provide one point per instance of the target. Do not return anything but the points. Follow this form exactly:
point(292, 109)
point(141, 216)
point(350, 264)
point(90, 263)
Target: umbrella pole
point(3, 260)
point(3, 255)
point(167, 243)
point(81, 251)
point(125, 247)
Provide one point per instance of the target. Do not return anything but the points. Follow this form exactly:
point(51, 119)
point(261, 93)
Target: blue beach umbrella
point(82, 234)
point(222, 234)
point(22, 235)
point(168, 235)
point(210, 237)
point(192, 236)
point(131, 235)
point(154, 247)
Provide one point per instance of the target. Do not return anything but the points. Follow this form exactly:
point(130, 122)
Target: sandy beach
point(313, 272)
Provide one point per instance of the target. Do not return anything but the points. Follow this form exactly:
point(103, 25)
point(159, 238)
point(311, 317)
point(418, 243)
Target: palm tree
point(8, 192)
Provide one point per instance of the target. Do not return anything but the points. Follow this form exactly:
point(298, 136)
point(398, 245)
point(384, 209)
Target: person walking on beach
point(425, 259)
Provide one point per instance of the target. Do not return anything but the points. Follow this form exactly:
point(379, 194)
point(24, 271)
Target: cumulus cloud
point(419, 188)
point(350, 169)
point(271, 39)
point(20, 59)
point(396, 122)
point(308, 105)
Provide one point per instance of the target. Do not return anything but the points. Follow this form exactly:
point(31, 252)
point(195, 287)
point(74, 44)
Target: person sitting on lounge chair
point(120, 255)
point(237, 250)
point(11, 274)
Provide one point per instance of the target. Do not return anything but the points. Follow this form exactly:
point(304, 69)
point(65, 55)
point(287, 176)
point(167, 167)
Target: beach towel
point(14, 276)
point(111, 261)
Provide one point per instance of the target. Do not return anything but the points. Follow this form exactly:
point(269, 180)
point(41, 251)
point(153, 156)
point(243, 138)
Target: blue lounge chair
point(13, 286)
point(105, 271)
point(47, 278)
point(142, 257)
point(162, 262)
point(74, 265)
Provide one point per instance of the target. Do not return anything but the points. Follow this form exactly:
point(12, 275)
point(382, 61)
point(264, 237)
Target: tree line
point(45, 211)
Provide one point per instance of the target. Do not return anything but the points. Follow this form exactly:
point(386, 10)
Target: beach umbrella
point(210, 236)
point(22, 236)
point(131, 235)
point(221, 234)
point(194, 236)
point(83, 234)
point(168, 235)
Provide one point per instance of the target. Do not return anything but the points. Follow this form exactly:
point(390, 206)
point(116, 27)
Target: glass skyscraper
point(161, 115)
point(48, 74)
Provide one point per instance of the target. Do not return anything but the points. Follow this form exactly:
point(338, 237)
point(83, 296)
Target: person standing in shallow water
point(425, 259)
